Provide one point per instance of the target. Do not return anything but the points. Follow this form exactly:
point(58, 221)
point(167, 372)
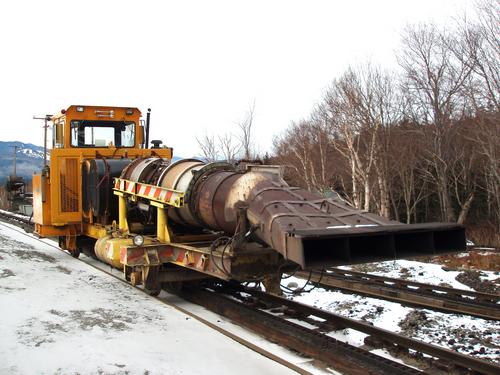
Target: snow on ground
point(489, 276)
point(305, 363)
point(13, 214)
point(463, 333)
point(60, 315)
point(413, 271)
point(381, 313)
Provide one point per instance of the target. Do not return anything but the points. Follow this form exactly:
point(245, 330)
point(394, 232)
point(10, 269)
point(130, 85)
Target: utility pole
point(15, 160)
point(45, 127)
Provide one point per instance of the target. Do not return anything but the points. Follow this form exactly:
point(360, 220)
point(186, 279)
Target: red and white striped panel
point(124, 185)
point(129, 186)
point(154, 192)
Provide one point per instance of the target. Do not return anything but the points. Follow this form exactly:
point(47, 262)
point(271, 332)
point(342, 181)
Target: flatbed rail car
point(107, 193)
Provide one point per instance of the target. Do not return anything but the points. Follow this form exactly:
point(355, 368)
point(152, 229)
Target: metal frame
point(197, 255)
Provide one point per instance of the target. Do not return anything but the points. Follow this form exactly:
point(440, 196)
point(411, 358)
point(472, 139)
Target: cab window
point(95, 133)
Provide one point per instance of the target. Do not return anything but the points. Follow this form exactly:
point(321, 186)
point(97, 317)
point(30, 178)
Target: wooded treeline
point(418, 144)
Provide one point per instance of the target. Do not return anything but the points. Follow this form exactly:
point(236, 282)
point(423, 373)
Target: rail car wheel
point(152, 292)
point(61, 242)
point(173, 286)
point(68, 243)
point(152, 285)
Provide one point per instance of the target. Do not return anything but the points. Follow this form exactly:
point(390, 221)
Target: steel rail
point(450, 356)
point(221, 330)
point(341, 356)
point(16, 217)
point(450, 300)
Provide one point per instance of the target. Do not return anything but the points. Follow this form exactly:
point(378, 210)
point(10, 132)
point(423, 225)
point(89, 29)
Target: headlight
point(138, 240)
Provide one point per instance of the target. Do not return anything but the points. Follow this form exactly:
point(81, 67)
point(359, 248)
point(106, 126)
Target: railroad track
point(342, 357)
point(345, 357)
point(253, 310)
point(257, 310)
point(441, 298)
point(16, 218)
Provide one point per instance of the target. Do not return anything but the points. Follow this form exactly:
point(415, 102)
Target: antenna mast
point(45, 127)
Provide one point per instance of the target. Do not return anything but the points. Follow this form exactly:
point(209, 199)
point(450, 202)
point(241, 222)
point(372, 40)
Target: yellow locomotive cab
point(82, 133)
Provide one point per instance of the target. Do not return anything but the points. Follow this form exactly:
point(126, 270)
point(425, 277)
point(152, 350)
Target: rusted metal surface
point(211, 203)
point(341, 356)
point(452, 300)
point(319, 232)
point(178, 176)
point(215, 261)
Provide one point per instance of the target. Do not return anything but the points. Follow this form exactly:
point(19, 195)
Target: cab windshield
point(95, 133)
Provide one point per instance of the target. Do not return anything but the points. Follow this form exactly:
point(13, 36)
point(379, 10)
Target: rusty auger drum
point(168, 222)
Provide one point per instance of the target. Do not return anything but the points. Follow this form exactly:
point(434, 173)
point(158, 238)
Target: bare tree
point(407, 145)
point(208, 147)
point(361, 107)
point(229, 147)
point(478, 45)
point(434, 83)
point(246, 133)
point(306, 148)
point(423, 146)
point(295, 151)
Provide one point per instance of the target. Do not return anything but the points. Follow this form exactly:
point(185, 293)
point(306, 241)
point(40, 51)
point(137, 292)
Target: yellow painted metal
point(108, 249)
point(161, 225)
point(55, 231)
point(59, 159)
point(95, 230)
point(102, 113)
point(41, 200)
point(122, 213)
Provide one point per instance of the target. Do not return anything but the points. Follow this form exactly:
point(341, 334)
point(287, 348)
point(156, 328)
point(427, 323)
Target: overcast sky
point(197, 64)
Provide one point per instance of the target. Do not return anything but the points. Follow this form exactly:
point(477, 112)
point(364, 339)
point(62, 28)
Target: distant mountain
point(29, 159)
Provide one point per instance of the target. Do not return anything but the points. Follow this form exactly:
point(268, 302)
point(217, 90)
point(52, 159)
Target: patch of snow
point(60, 315)
point(489, 276)
point(420, 272)
point(349, 336)
point(384, 353)
point(31, 153)
point(462, 333)
point(381, 313)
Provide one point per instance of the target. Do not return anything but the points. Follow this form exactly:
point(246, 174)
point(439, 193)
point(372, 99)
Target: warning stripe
point(130, 188)
point(145, 190)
